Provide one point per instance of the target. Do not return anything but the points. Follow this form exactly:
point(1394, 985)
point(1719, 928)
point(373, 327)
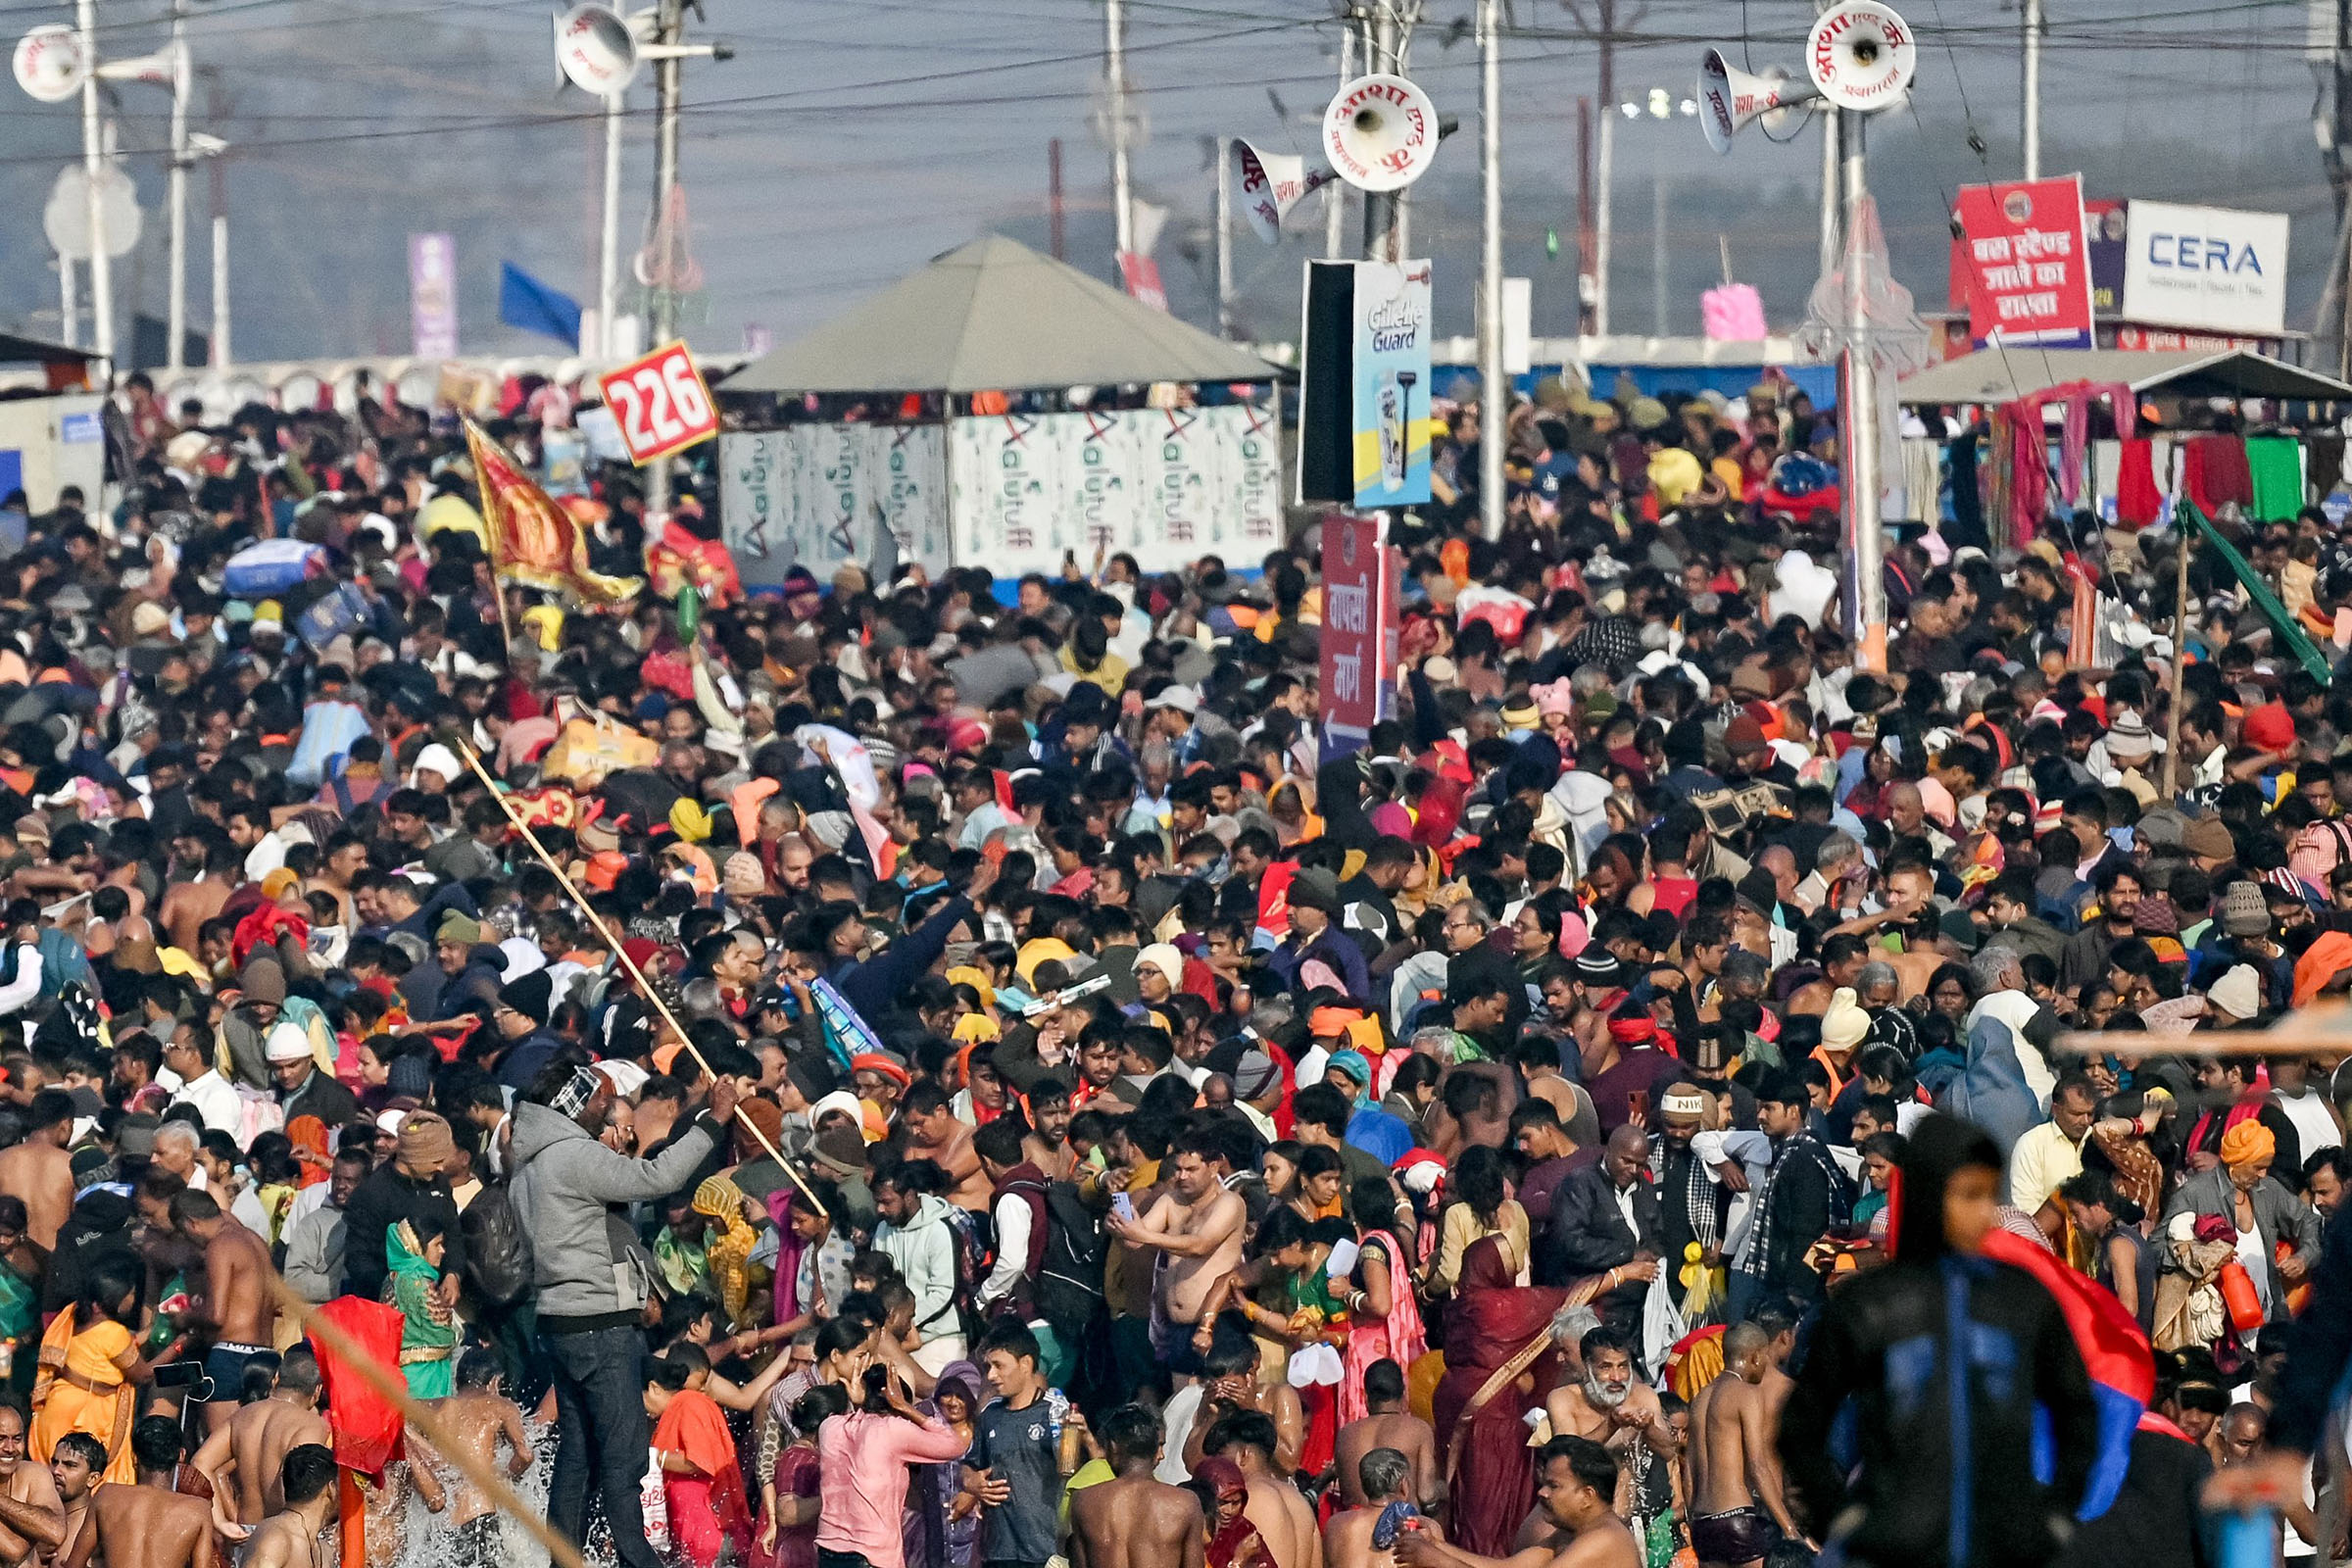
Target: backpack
point(497, 1249)
point(1069, 1285)
point(974, 1257)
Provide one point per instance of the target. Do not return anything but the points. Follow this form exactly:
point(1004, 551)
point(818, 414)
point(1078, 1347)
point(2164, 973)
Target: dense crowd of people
point(922, 1070)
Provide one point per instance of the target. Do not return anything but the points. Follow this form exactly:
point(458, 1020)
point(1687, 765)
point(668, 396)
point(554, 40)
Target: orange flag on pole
point(532, 540)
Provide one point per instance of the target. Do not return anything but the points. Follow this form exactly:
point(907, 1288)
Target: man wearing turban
point(2277, 1234)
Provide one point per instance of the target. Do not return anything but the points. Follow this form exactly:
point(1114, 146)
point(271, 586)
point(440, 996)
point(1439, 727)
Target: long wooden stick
point(2171, 745)
point(395, 1388)
point(645, 986)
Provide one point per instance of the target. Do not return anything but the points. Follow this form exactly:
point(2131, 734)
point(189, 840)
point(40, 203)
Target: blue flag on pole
point(525, 302)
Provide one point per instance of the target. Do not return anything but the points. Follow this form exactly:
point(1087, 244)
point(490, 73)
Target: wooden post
point(2172, 741)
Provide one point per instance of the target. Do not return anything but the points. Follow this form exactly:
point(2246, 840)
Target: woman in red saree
point(1500, 1360)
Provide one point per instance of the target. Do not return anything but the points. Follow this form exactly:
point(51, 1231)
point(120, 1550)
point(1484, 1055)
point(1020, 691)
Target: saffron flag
point(534, 540)
point(2115, 1353)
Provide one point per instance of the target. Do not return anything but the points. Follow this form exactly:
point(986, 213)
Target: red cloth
point(2212, 470)
point(709, 1511)
point(367, 1425)
point(1489, 1320)
point(2138, 502)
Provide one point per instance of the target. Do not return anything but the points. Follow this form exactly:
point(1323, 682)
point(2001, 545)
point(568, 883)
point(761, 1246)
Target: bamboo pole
point(612, 942)
point(393, 1386)
point(2171, 744)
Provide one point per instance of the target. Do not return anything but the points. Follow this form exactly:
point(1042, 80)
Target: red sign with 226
point(661, 402)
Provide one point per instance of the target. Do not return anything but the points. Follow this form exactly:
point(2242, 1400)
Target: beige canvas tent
point(996, 316)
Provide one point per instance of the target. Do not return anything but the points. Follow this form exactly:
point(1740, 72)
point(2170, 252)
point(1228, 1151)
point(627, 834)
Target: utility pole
point(608, 245)
point(1832, 178)
point(2032, 93)
point(1114, 76)
point(1858, 408)
point(93, 166)
point(1604, 14)
point(1587, 290)
point(1054, 196)
point(216, 110)
point(1335, 194)
point(1224, 165)
point(1380, 206)
point(1494, 398)
point(668, 73)
point(175, 356)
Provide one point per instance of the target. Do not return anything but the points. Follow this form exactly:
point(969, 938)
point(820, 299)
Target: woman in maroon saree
point(1499, 1363)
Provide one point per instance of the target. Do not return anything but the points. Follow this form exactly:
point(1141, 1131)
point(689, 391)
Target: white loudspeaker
point(1272, 183)
point(50, 64)
point(1380, 132)
point(1730, 99)
point(1861, 55)
point(162, 68)
point(595, 49)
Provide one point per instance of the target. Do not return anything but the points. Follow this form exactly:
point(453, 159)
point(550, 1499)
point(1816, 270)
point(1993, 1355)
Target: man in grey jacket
point(591, 1296)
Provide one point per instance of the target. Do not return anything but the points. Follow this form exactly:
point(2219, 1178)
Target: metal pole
point(1054, 194)
point(2172, 729)
point(1584, 243)
point(175, 357)
point(2032, 89)
point(93, 165)
point(1658, 309)
point(219, 358)
point(69, 312)
point(1335, 194)
point(1602, 216)
point(1830, 230)
point(1494, 398)
point(1380, 206)
point(1225, 321)
point(1115, 70)
point(1858, 419)
point(608, 252)
point(668, 73)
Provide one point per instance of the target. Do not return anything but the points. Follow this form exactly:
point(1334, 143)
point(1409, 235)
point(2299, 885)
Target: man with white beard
point(1614, 1408)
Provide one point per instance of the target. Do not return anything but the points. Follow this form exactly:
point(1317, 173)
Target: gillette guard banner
point(1390, 424)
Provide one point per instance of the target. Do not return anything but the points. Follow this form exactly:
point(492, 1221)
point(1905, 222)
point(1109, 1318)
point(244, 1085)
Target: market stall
point(2229, 428)
point(999, 409)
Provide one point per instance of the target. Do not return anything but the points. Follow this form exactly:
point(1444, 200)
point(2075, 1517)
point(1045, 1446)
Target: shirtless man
point(290, 1540)
point(254, 1443)
point(148, 1525)
point(1280, 1515)
point(1383, 1477)
point(1575, 1478)
point(933, 1132)
point(75, 1464)
point(235, 1263)
point(1390, 1426)
point(473, 1419)
point(38, 1170)
point(1196, 1227)
point(1230, 1367)
point(1134, 1521)
point(1735, 1469)
point(1610, 1406)
point(32, 1517)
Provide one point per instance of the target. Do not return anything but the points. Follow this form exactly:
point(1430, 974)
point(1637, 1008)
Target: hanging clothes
point(1967, 524)
point(2274, 464)
point(2137, 501)
point(2214, 472)
point(2073, 400)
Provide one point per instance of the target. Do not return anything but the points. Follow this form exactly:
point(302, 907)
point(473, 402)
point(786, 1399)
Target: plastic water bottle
point(1057, 1409)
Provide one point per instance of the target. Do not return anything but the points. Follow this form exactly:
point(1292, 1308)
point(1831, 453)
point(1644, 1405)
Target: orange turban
point(2248, 1143)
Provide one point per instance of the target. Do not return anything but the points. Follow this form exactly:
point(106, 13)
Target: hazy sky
point(847, 144)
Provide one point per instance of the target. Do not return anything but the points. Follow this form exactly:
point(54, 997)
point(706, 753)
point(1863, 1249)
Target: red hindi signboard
point(661, 402)
point(2023, 262)
point(1359, 634)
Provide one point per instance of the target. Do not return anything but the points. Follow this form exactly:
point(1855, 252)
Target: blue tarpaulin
point(525, 302)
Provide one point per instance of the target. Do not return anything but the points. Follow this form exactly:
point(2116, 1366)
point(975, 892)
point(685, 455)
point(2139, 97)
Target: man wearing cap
point(302, 1088)
point(521, 1016)
point(1315, 951)
point(589, 1299)
point(2259, 1207)
point(409, 1186)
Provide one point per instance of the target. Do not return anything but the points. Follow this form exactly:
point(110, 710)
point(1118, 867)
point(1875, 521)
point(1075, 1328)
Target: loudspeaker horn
point(1861, 55)
point(1380, 132)
point(595, 49)
point(49, 63)
point(1272, 183)
point(162, 68)
point(1731, 99)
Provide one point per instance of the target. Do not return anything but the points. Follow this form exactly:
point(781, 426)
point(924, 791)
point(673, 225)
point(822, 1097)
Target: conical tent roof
point(997, 316)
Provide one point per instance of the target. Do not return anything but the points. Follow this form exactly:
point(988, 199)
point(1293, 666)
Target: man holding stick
point(590, 1302)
